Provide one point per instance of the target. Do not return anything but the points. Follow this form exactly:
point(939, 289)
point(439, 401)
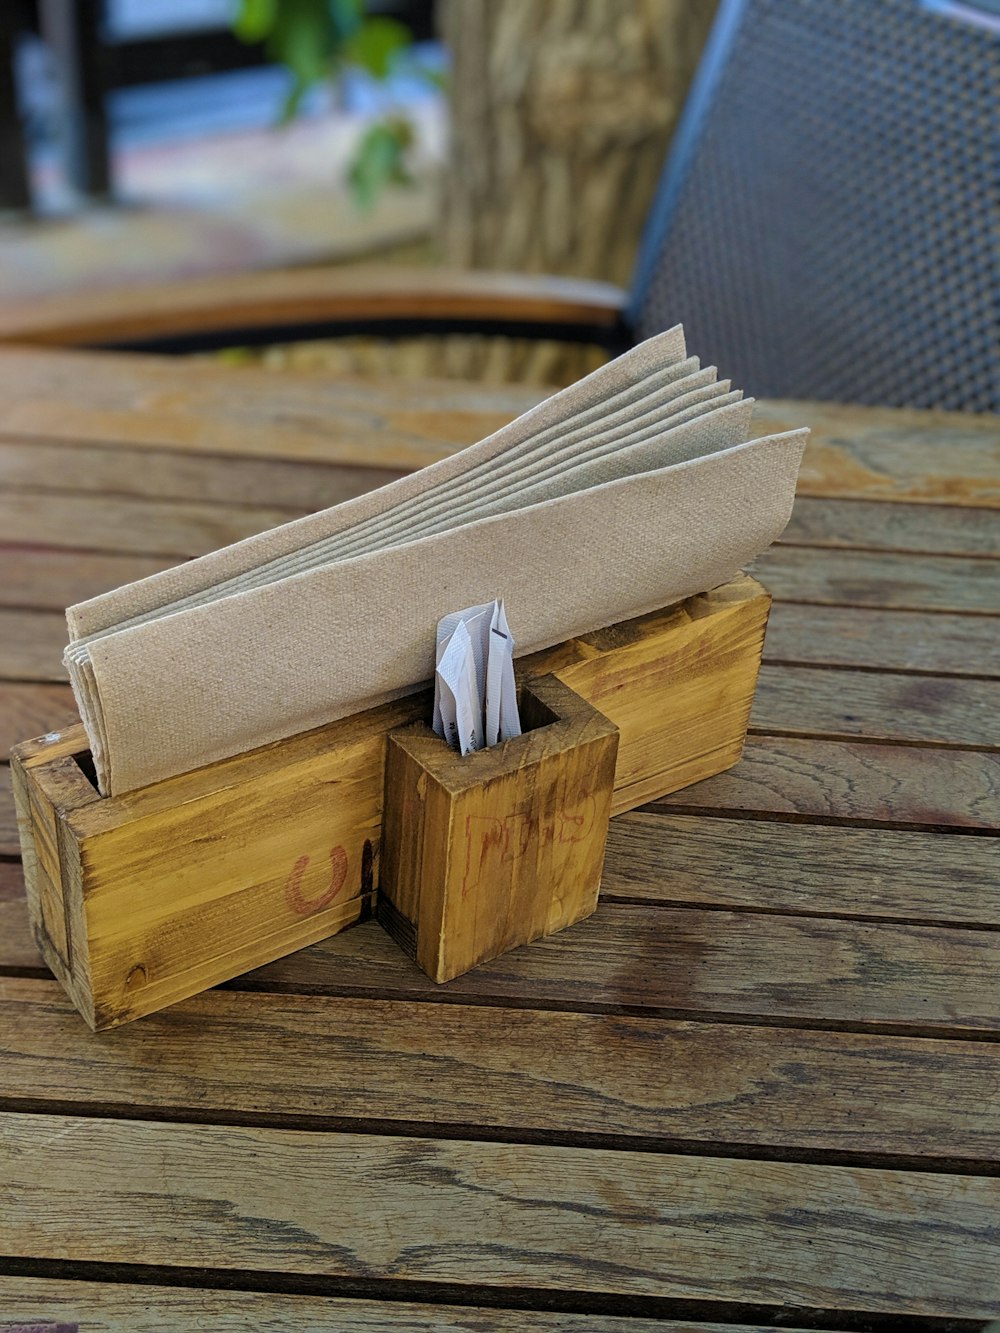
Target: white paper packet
point(459, 690)
point(477, 620)
point(502, 718)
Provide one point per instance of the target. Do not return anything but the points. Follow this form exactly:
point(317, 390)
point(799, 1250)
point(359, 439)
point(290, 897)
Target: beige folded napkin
point(629, 490)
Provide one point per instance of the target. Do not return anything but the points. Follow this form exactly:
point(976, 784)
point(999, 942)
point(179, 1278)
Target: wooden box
point(140, 900)
point(486, 852)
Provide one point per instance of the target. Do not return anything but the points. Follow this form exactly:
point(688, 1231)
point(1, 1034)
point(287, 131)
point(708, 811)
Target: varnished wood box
point(140, 900)
point(486, 852)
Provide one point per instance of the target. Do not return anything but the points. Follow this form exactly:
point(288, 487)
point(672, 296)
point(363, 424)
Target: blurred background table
point(761, 1082)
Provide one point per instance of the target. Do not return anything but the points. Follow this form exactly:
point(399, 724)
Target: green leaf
point(380, 161)
point(302, 37)
point(255, 19)
point(375, 45)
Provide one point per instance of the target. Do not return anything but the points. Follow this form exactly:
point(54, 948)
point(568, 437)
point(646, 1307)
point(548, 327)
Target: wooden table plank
point(110, 1307)
point(811, 701)
point(503, 1215)
point(683, 961)
point(32, 642)
point(175, 528)
point(32, 710)
point(888, 640)
point(853, 781)
point(31, 645)
point(9, 843)
point(52, 580)
point(863, 873)
point(47, 578)
point(856, 873)
point(880, 579)
point(325, 1062)
point(874, 525)
point(163, 474)
point(688, 962)
point(889, 453)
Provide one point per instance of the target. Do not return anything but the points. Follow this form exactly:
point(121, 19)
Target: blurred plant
point(320, 40)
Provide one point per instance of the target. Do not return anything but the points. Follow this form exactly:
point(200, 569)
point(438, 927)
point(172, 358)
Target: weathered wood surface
point(515, 1215)
point(922, 528)
point(110, 1307)
point(932, 643)
point(886, 453)
point(945, 710)
point(51, 579)
point(881, 579)
point(748, 966)
point(69, 465)
point(788, 982)
point(327, 1062)
point(27, 709)
point(866, 873)
point(855, 781)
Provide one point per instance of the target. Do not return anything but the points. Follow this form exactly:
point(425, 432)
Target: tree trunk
point(562, 111)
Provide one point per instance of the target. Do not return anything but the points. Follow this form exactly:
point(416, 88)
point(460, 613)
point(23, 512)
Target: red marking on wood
point(494, 842)
point(293, 885)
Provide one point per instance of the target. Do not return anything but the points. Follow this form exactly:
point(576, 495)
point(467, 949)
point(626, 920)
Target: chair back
point(828, 223)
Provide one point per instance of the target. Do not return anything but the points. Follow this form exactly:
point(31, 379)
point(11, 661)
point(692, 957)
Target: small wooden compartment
point(486, 852)
point(140, 900)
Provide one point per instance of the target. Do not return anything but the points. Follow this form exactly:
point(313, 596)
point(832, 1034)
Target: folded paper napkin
point(629, 490)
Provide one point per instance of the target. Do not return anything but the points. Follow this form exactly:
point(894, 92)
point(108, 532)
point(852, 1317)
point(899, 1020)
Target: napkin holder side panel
point(140, 900)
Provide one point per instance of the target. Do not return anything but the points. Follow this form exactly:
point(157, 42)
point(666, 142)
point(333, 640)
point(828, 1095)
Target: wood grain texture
point(295, 297)
point(163, 474)
point(111, 1308)
point(482, 853)
point(873, 525)
point(17, 945)
point(52, 580)
point(885, 453)
point(677, 684)
point(890, 640)
point(516, 1215)
point(142, 404)
point(337, 1062)
point(830, 871)
point(689, 962)
point(31, 645)
point(881, 579)
point(854, 780)
point(9, 843)
point(31, 710)
point(176, 528)
point(812, 701)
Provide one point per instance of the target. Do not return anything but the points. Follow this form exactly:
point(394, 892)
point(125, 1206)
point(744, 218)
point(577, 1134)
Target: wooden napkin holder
point(140, 900)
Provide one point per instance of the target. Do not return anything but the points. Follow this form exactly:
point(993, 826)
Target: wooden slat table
point(760, 1086)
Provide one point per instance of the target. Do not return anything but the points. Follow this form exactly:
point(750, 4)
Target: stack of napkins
point(629, 490)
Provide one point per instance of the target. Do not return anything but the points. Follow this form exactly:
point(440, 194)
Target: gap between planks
point(286, 1303)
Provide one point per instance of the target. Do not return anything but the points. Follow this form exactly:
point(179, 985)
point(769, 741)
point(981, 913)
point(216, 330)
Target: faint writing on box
point(491, 841)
